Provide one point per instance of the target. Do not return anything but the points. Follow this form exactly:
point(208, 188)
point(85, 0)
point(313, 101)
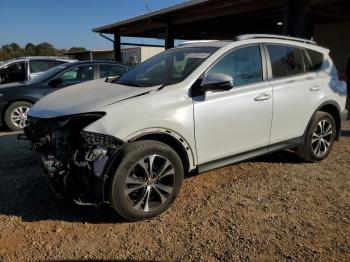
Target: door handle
point(315, 88)
point(262, 97)
point(290, 81)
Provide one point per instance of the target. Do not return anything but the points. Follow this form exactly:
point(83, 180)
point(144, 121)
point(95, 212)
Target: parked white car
point(29, 67)
point(189, 109)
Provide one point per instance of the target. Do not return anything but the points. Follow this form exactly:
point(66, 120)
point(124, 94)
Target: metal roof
point(151, 14)
point(220, 19)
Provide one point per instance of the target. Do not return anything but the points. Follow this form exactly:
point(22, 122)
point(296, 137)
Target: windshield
point(47, 74)
point(169, 67)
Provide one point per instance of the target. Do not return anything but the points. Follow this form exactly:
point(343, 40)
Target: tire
point(318, 142)
point(136, 195)
point(17, 110)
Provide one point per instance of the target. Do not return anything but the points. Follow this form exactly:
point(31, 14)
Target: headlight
point(80, 121)
point(96, 139)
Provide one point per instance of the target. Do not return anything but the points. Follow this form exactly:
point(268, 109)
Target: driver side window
point(77, 74)
point(14, 72)
point(243, 65)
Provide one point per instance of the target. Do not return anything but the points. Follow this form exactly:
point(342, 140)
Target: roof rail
point(196, 41)
point(253, 36)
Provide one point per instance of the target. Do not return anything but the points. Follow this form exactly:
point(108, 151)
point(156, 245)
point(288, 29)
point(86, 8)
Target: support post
point(169, 37)
point(296, 21)
point(117, 48)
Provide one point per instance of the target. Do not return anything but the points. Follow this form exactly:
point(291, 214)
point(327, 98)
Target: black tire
point(308, 149)
point(129, 168)
point(10, 110)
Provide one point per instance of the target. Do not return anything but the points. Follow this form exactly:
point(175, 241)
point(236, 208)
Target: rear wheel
point(16, 115)
point(147, 180)
point(319, 138)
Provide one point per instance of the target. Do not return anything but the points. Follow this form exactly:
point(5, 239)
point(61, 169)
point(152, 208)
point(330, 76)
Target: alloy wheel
point(150, 183)
point(19, 116)
point(322, 138)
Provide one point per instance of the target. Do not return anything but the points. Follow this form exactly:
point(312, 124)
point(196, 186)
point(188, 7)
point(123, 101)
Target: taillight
point(342, 77)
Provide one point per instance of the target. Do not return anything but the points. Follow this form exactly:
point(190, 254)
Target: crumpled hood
point(87, 97)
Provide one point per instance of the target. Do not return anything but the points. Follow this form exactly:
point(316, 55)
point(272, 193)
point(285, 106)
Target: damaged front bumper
point(75, 161)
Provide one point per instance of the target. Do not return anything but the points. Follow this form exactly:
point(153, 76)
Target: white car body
point(207, 127)
point(129, 141)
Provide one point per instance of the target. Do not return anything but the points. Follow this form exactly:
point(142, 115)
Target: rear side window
point(285, 60)
point(316, 59)
point(37, 66)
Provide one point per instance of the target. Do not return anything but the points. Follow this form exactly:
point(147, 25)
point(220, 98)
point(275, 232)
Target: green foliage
point(76, 49)
point(44, 49)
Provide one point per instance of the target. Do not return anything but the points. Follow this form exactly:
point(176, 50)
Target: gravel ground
point(273, 208)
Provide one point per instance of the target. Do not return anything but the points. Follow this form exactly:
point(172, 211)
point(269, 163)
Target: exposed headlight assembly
point(80, 121)
point(96, 139)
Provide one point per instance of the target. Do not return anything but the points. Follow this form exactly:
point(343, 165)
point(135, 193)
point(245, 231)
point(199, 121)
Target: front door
point(239, 120)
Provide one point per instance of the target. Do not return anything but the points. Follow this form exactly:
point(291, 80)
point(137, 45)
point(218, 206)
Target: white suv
point(130, 141)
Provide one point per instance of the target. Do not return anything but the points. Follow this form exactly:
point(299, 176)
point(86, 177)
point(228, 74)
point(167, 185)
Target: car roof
point(98, 62)
point(26, 58)
point(42, 57)
point(205, 43)
point(257, 38)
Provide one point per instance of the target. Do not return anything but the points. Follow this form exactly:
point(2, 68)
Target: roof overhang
point(219, 19)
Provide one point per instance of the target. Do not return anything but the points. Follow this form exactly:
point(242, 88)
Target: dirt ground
point(273, 208)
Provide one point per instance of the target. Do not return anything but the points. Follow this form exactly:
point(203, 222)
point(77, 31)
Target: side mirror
point(111, 79)
point(55, 82)
point(216, 83)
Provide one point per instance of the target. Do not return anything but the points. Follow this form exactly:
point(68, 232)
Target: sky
point(68, 23)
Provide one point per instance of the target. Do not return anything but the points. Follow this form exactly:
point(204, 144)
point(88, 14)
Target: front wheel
point(319, 138)
point(147, 180)
point(16, 115)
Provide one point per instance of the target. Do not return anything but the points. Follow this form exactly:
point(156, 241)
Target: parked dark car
point(17, 98)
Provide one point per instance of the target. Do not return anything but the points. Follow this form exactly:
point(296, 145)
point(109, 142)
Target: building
point(326, 21)
point(132, 55)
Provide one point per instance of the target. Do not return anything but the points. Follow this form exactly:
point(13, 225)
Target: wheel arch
point(9, 103)
point(170, 138)
point(166, 136)
point(332, 108)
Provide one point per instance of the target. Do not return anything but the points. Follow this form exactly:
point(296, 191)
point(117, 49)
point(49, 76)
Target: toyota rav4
point(129, 141)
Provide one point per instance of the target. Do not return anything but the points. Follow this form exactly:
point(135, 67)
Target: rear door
point(295, 91)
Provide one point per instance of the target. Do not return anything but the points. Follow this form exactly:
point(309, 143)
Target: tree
point(30, 49)
point(76, 49)
point(45, 49)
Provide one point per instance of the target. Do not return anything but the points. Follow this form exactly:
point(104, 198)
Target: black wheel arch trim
point(329, 102)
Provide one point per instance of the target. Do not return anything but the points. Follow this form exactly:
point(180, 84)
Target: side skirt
point(249, 155)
